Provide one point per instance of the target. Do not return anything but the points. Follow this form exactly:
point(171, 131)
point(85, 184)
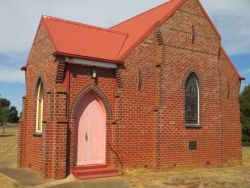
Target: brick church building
point(155, 91)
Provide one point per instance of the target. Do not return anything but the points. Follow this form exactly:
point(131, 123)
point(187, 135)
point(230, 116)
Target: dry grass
point(246, 156)
point(8, 142)
point(229, 176)
point(5, 182)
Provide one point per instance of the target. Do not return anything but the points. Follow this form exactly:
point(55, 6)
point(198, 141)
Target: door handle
point(86, 136)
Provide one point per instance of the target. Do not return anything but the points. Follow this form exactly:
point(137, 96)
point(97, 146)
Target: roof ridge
point(145, 12)
point(84, 25)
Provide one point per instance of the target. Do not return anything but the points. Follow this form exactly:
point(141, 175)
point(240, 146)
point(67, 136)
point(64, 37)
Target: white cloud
point(247, 71)
point(10, 64)
point(243, 85)
point(11, 75)
point(19, 18)
point(232, 19)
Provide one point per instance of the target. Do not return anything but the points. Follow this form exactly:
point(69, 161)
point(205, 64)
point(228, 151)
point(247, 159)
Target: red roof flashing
point(230, 63)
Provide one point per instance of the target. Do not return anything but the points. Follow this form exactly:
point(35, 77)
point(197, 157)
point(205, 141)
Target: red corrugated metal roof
point(139, 27)
point(113, 44)
point(76, 39)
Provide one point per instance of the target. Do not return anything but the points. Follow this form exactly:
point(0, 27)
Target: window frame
point(192, 125)
point(39, 108)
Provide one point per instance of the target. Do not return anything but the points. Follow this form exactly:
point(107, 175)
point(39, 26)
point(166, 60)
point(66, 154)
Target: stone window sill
point(38, 134)
point(193, 126)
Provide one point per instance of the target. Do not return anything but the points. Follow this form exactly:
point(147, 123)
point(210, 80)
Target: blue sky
point(19, 20)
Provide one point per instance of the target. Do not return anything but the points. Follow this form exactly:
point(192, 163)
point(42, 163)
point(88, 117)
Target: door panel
point(91, 137)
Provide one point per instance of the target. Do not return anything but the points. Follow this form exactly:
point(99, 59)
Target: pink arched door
point(91, 131)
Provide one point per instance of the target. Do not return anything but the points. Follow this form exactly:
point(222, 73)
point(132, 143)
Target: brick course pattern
point(143, 99)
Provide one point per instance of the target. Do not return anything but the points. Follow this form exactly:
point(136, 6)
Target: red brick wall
point(136, 129)
point(230, 87)
point(22, 137)
point(40, 65)
point(190, 45)
point(81, 81)
point(144, 100)
point(183, 55)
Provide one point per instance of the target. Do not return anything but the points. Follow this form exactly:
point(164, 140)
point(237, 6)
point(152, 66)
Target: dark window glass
point(192, 100)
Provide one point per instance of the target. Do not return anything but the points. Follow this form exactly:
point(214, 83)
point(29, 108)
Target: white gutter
point(91, 63)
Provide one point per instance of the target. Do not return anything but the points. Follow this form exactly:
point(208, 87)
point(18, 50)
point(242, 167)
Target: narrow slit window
point(192, 100)
point(39, 112)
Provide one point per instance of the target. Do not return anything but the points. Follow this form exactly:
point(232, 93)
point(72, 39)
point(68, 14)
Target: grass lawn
point(234, 176)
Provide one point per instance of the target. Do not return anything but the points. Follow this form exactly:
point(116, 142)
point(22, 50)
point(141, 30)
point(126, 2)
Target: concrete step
point(86, 167)
point(94, 171)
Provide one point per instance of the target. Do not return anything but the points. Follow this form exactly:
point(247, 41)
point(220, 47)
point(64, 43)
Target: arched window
point(192, 100)
point(39, 110)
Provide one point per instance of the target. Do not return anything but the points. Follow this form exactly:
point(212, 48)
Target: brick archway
point(39, 79)
point(190, 71)
point(92, 88)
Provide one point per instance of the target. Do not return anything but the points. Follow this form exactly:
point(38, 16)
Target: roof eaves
point(242, 78)
point(115, 61)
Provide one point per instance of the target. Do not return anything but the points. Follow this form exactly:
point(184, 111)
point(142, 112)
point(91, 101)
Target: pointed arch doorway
point(91, 131)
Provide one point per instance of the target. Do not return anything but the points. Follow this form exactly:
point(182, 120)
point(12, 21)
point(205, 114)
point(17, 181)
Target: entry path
point(28, 178)
point(23, 177)
point(116, 182)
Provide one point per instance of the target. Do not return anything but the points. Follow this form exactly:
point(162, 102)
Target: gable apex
point(140, 26)
point(41, 33)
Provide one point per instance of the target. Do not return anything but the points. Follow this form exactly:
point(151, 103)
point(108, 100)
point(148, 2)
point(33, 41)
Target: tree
point(245, 114)
point(4, 103)
point(4, 115)
point(8, 113)
point(13, 115)
point(20, 115)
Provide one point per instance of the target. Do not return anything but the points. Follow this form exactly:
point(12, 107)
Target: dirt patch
point(229, 176)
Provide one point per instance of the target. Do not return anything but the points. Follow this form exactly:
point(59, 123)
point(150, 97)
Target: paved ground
point(8, 166)
point(115, 182)
point(11, 176)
